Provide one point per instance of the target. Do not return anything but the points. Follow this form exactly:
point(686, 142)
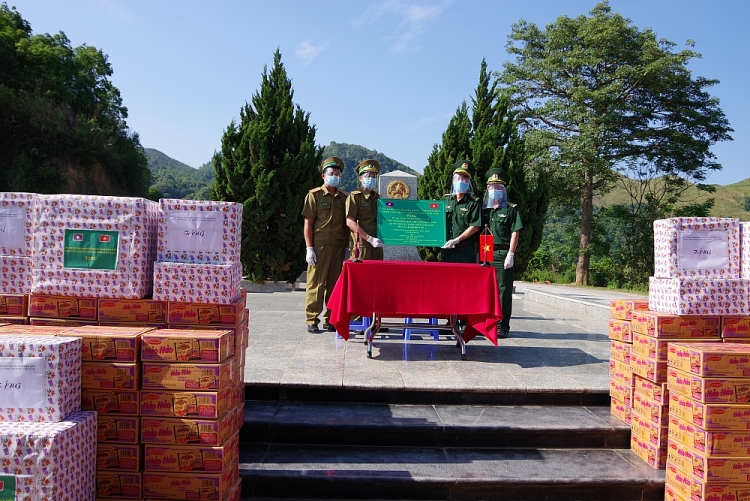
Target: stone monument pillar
point(398, 184)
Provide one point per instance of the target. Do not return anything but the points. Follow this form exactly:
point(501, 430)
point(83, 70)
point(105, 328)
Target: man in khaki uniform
point(325, 238)
point(362, 212)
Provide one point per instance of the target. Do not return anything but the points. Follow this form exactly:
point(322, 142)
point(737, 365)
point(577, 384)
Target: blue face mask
point(494, 195)
point(369, 183)
point(331, 181)
point(461, 186)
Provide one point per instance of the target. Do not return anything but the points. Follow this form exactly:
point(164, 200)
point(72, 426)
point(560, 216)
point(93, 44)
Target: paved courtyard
point(549, 349)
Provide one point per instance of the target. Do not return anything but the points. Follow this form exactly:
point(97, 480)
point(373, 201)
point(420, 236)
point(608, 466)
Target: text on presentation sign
point(411, 222)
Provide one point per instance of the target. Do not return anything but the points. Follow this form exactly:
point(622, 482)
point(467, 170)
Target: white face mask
point(369, 183)
point(331, 181)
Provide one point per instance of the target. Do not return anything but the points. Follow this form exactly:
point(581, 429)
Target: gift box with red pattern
point(94, 246)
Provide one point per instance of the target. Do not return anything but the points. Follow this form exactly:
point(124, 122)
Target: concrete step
point(507, 396)
point(362, 472)
point(279, 422)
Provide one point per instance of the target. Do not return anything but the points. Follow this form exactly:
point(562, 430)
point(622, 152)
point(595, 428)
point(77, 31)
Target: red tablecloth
point(421, 290)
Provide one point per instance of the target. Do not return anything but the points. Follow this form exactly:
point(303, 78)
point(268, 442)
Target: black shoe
point(313, 329)
point(329, 327)
point(502, 333)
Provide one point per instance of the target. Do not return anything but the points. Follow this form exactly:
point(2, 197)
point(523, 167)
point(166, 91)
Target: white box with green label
point(50, 461)
point(94, 246)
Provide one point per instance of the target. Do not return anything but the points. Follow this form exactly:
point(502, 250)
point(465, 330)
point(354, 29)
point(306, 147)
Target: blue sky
point(387, 75)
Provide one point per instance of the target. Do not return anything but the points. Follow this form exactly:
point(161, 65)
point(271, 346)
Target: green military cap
point(497, 176)
point(369, 165)
point(332, 162)
point(464, 167)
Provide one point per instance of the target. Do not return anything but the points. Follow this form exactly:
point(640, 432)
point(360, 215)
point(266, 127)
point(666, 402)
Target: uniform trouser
point(505, 287)
point(321, 279)
point(369, 253)
point(465, 254)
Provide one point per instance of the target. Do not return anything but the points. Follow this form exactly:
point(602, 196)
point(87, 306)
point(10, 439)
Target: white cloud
point(412, 18)
point(116, 10)
point(425, 121)
point(307, 51)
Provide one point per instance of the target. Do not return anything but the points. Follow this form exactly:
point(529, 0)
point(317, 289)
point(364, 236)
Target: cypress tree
point(435, 182)
point(268, 162)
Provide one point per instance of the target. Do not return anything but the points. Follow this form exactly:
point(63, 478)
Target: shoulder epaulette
point(355, 192)
point(474, 197)
point(447, 195)
point(315, 189)
point(511, 205)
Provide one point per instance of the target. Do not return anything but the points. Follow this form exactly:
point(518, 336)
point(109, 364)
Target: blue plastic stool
point(432, 321)
point(361, 325)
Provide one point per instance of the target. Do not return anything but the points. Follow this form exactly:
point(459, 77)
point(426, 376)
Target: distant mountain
point(353, 154)
point(175, 179)
point(729, 200)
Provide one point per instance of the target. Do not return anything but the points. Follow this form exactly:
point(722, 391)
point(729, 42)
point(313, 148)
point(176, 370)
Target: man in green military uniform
point(504, 221)
point(362, 212)
point(463, 216)
point(325, 238)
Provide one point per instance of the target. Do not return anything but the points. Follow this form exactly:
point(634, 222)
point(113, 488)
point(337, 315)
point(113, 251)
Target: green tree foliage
point(353, 154)
point(268, 162)
point(596, 93)
point(746, 203)
point(435, 182)
point(174, 179)
point(62, 122)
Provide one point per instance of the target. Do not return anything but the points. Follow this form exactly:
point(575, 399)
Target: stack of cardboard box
point(190, 413)
point(111, 377)
point(621, 342)
point(709, 441)
point(652, 334)
point(192, 402)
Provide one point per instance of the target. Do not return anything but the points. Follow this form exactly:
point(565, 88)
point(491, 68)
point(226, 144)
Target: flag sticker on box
point(91, 249)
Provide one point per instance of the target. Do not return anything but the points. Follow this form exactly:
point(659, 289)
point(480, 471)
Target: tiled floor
point(549, 350)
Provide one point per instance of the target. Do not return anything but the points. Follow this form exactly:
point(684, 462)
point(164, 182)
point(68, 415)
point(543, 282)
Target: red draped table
point(417, 290)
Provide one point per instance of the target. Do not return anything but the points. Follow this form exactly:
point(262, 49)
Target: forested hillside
point(732, 200)
point(174, 179)
point(352, 154)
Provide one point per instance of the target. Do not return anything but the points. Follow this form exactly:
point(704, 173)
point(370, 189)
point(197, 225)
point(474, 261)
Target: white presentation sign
point(12, 227)
point(703, 249)
point(22, 381)
point(196, 231)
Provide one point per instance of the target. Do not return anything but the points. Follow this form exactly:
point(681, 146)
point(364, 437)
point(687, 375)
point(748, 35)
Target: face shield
point(495, 197)
point(461, 184)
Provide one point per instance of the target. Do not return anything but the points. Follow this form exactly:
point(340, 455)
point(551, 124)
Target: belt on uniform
point(463, 243)
point(501, 247)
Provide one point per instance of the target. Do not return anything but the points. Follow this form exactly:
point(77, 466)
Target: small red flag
point(486, 247)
